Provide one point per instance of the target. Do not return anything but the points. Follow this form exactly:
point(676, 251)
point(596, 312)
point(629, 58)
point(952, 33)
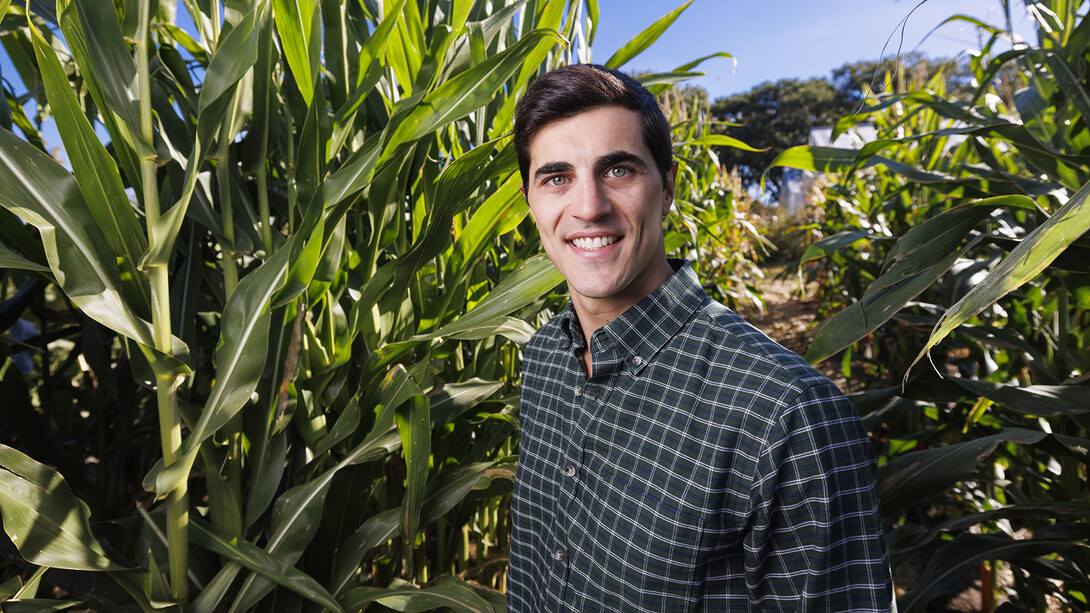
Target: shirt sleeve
point(816, 542)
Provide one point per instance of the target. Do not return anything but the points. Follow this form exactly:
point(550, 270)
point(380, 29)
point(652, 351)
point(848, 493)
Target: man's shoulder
point(747, 351)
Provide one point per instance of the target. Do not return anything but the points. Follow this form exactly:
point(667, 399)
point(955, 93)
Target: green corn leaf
point(644, 39)
point(10, 259)
point(449, 402)
point(45, 521)
point(1033, 254)
point(95, 172)
point(720, 140)
point(239, 360)
point(233, 59)
point(414, 427)
point(466, 92)
point(297, 23)
point(949, 565)
point(836, 242)
point(502, 211)
point(256, 559)
point(922, 255)
point(446, 491)
point(552, 16)
point(378, 529)
point(915, 476)
point(1035, 400)
point(39, 605)
point(299, 510)
point(449, 593)
point(535, 278)
point(34, 187)
point(108, 64)
point(4, 4)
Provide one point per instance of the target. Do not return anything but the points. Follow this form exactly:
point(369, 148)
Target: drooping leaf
point(37, 189)
point(1032, 255)
point(915, 476)
point(45, 521)
point(969, 550)
point(10, 259)
point(256, 559)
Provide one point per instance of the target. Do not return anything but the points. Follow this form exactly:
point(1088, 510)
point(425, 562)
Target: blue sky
point(775, 39)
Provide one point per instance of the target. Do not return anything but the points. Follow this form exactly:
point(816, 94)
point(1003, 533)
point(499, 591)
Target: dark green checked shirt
point(701, 468)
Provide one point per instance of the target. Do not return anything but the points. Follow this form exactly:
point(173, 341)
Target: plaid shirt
point(701, 468)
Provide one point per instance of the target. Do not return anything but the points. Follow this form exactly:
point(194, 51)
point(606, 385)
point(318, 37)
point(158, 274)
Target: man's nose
point(592, 202)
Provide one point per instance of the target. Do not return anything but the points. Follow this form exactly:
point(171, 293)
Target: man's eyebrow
point(620, 157)
point(552, 168)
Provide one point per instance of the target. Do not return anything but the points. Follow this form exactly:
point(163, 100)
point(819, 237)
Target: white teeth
point(592, 244)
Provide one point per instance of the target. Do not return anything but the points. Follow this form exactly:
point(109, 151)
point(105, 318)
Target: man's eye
point(556, 181)
point(617, 172)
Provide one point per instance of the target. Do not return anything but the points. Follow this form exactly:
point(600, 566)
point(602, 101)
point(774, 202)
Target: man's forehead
point(606, 132)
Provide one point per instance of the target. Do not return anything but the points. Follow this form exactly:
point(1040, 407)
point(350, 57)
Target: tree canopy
point(778, 115)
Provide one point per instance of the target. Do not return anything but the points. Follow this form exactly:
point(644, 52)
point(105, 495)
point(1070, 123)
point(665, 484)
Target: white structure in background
point(797, 183)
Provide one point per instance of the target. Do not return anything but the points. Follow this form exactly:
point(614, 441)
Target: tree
point(780, 115)
point(775, 116)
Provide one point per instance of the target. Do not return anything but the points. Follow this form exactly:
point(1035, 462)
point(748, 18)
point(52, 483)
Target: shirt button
point(558, 555)
point(578, 390)
point(569, 470)
point(637, 360)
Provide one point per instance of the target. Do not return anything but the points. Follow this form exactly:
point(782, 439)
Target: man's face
point(599, 201)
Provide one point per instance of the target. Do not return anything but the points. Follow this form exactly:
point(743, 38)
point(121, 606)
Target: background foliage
point(956, 269)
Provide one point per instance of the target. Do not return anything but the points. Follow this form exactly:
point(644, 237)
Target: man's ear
point(668, 190)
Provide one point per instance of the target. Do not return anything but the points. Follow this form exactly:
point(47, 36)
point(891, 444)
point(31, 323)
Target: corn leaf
point(720, 140)
point(916, 476)
point(34, 187)
point(297, 23)
point(449, 593)
point(644, 39)
point(10, 259)
point(414, 427)
point(1032, 255)
point(95, 172)
point(256, 559)
point(466, 92)
point(239, 360)
point(45, 521)
point(948, 566)
point(928, 251)
point(108, 65)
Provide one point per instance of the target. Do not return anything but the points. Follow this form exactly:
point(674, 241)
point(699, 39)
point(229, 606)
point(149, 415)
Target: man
point(672, 457)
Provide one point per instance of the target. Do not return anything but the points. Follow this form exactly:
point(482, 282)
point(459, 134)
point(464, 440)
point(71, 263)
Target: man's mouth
point(595, 243)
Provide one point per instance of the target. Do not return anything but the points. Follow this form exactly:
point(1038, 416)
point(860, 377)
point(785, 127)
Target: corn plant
point(262, 336)
point(956, 248)
point(713, 226)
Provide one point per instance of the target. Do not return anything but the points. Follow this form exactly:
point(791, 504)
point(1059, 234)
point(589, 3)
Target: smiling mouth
point(593, 244)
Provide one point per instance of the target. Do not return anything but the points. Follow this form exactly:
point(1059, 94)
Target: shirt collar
point(645, 327)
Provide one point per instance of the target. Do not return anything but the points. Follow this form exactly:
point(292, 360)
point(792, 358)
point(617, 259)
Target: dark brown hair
point(571, 90)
